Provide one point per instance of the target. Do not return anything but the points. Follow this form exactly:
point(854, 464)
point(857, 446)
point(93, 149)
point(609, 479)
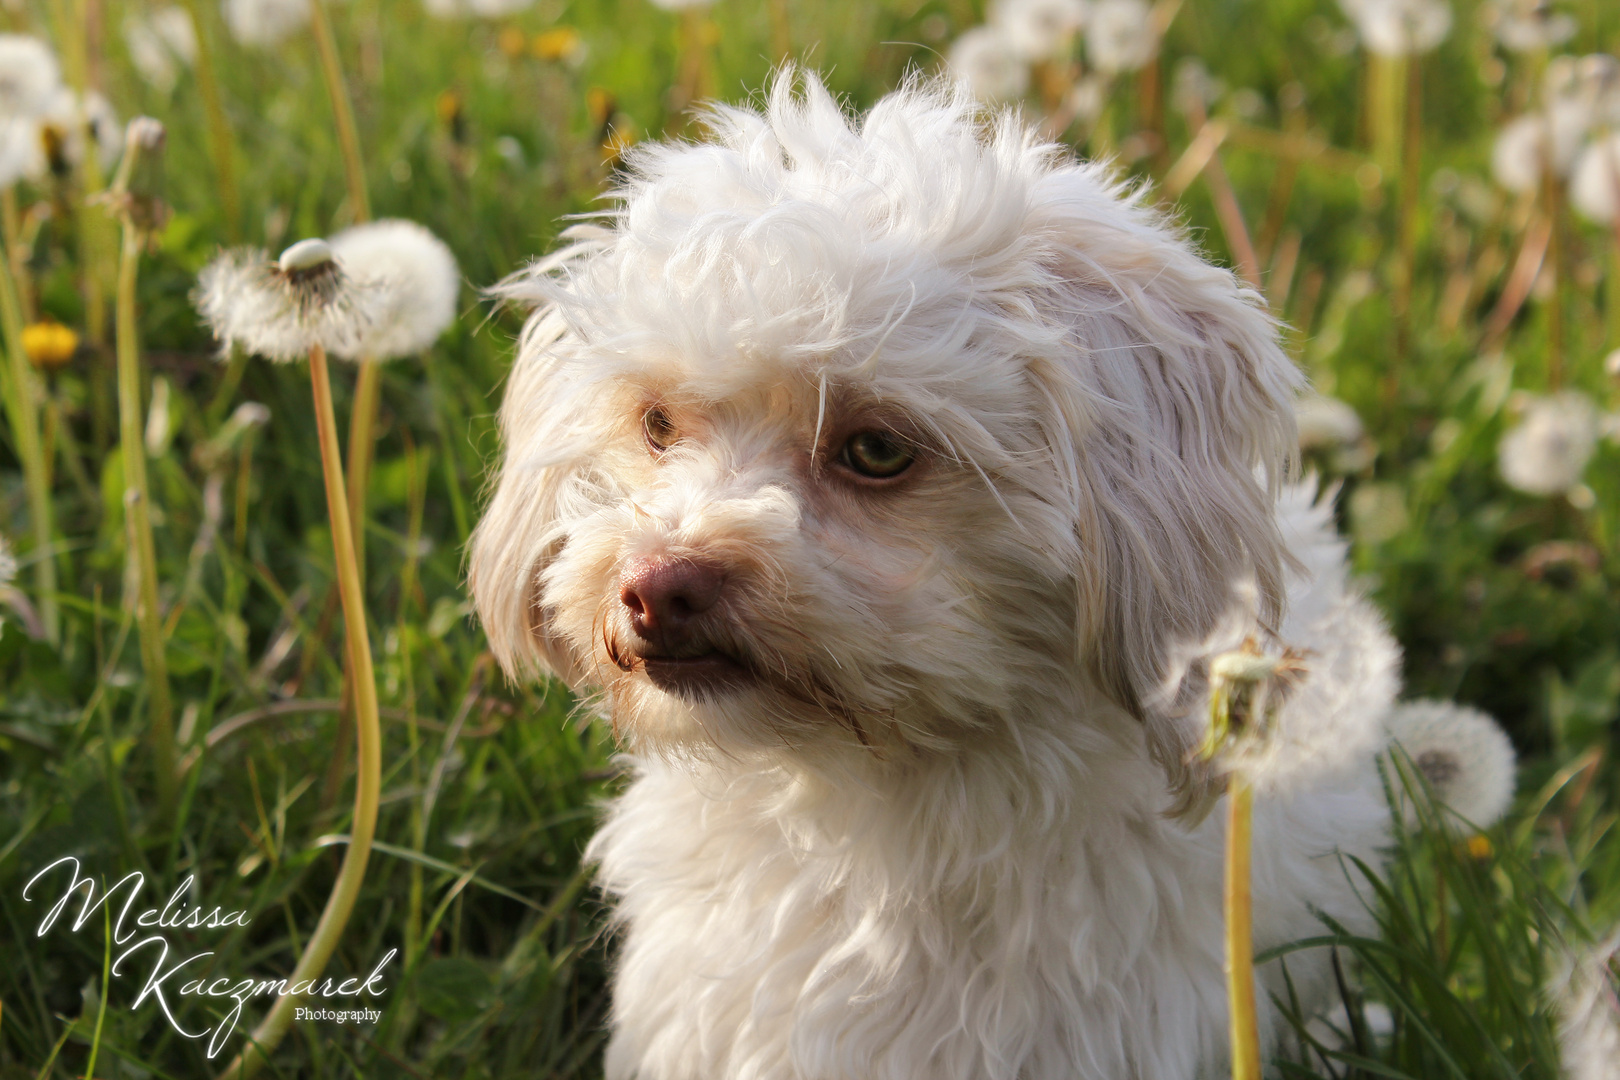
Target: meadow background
point(1439, 299)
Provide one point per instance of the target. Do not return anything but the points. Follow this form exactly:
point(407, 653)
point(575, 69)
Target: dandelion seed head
point(160, 43)
point(1546, 453)
point(1529, 25)
point(1193, 87)
point(1594, 186)
point(1461, 753)
point(263, 24)
point(29, 81)
point(1040, 29)
point(1399, 27)
point(1121, 36)
point(1326, 423)
point(29, 76)
point(69, 117)
point(8, 562)
point(1587, 1002)
point(415, 278)
point(282, 311)
point(985, 60)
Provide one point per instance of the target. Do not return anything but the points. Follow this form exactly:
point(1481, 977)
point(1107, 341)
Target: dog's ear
point(543, 470)
point(1176, 425)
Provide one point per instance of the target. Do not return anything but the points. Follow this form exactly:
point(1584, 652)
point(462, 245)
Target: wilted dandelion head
point(1121, 35)
point(1546, 453)
point(1461, 753)
point(1399, 27)
point(160, 42)
point(265, 23)
point(985, 60)
point(282, 309)
point(1040, 29)
point(414, 277)
point(1587, 1001)
point(1528, 25)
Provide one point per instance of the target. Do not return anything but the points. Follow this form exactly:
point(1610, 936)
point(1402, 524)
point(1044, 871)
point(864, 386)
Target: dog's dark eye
point(877, 454)
point(658, 429)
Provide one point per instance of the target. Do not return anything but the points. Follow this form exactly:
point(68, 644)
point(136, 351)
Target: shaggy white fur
point(877, 474)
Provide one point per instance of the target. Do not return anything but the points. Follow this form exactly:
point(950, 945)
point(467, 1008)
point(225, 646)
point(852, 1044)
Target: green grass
point(488, 789)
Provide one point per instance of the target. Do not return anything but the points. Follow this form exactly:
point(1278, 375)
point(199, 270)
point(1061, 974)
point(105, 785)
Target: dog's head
point(842, 432)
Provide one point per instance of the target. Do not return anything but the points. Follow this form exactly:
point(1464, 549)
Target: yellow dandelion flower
point(49, 344)
point(558, 43)
point(512, 42)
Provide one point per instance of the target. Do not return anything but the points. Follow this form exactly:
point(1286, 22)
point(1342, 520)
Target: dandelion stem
point(138, 517)
point(342, 111)
point(1240, 932)
point(220, 144)
point(368, 785)
point(362, 436)
point(22, 412)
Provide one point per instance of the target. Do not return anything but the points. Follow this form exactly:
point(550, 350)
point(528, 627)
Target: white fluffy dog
point(880, 477)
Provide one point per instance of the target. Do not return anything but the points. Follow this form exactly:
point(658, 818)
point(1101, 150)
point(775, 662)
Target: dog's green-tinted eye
point(877, 454)
point(658, 429)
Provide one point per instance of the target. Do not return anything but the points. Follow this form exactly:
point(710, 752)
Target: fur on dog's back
point(951, 825)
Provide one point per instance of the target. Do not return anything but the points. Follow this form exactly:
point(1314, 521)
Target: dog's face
point(859, 439)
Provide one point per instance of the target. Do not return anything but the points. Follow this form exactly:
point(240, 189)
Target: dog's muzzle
point(667, 602)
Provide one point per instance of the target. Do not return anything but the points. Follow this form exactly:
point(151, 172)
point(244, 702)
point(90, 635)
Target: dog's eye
point(877, 454)
point(658, 429)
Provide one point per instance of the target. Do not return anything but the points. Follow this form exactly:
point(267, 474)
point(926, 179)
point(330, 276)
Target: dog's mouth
point(701, 675)
point(695, 671)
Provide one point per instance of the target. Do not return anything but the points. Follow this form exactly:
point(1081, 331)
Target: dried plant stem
point(137, 511)
point(22, 413)
point(221, 146)
point(1240, 931)
point(342, 112)
point(368, 785)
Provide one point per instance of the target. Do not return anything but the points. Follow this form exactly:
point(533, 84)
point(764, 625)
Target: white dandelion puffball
point(1547, 452)
point(29, 76)
point(1120, 36)
point(485, 9)
point(1463, 755)
point(1040, 29)
point(1587, 1001)
point(1594, 188)
point(282, 309)
point(160, 44)
point(985, 60)
point(1326, 423)
point(1399, 27)
point(1531, 145)
point(1528, 25)
point(29, 80)
point(415, 277)
point(74, 117)
point(262, 24)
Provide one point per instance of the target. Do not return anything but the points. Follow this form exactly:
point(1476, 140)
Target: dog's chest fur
point(965, 926)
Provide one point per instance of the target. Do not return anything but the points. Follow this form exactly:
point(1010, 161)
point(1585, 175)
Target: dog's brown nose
point(664, 595)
